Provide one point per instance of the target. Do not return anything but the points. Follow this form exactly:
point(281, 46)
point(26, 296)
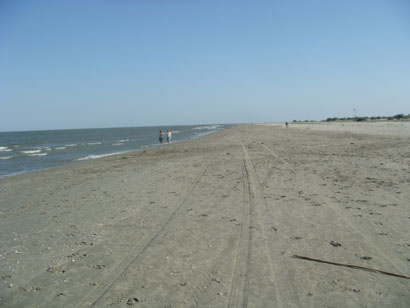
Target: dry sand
point(214, 222)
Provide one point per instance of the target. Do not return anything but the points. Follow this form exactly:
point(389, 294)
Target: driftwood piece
point(351, 266)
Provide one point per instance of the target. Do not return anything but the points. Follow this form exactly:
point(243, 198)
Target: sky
point(110, 63)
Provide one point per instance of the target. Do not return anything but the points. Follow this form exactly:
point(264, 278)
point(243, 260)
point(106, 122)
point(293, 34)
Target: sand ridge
point(214, 222)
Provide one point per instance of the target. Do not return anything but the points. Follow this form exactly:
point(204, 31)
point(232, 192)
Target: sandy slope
point(214, 222)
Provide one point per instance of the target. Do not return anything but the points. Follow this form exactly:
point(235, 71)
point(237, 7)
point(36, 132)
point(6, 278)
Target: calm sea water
point(22, 152)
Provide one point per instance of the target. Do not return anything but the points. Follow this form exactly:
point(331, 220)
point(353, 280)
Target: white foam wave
point(175, 131)
point(97, 156)
point(209, 127)
point(45, 148)
point(6, 157)
point(5, 149)
point(60, 148)
point(71, 145)
point(148, 146)
point(205, 133)
point(30, 152)
point(118, 143)
point(38, 154)
point(124, 140)
point(93, 143)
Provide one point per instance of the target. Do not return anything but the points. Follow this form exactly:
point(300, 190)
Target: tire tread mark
point(138, 254)
point(286, 294)
point(240, 275)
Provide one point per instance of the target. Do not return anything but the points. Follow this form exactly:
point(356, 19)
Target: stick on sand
point(351, 266)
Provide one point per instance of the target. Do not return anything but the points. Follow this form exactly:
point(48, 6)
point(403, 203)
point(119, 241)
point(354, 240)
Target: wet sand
point(214, 222)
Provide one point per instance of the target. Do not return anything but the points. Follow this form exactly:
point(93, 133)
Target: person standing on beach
point(287, 124)
point(160, 136)
point(168, 136)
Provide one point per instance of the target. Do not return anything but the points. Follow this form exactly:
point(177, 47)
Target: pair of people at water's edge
point(161, 138)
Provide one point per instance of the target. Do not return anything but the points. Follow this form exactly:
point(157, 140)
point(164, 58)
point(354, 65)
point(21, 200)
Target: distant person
point(169, 136)
point(161, 136)
point(287, 124)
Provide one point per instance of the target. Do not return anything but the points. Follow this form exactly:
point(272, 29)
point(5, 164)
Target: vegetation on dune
point(400, 116)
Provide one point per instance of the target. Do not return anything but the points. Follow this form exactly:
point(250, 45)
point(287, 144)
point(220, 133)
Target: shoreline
point(214, 222)
point(97, 156)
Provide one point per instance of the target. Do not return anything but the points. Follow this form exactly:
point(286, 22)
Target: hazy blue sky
point(80, 64)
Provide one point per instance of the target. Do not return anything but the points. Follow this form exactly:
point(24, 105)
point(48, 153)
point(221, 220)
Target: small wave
point(97, 156)
point(38, 154)
point(5, 149)
point(175, 131)
point(6, 157)
point(30, 152)
point(124, 140)
point(60, 148)
point(118, 143)
point(93, 143)
point(209, 127)
point(71, 145)
point(148, 146)
point(205, 133)
point(45, 148)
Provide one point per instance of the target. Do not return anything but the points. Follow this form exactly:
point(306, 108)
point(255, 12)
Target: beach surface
point(216, 222)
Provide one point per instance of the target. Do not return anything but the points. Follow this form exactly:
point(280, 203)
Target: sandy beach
point(216, 221)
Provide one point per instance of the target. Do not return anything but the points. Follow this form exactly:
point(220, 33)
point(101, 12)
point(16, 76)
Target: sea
point(22, 152)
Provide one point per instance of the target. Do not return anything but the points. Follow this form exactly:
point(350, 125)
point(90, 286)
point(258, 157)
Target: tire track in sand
point(92, 298)
point(238, 295)
point(285, 294)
